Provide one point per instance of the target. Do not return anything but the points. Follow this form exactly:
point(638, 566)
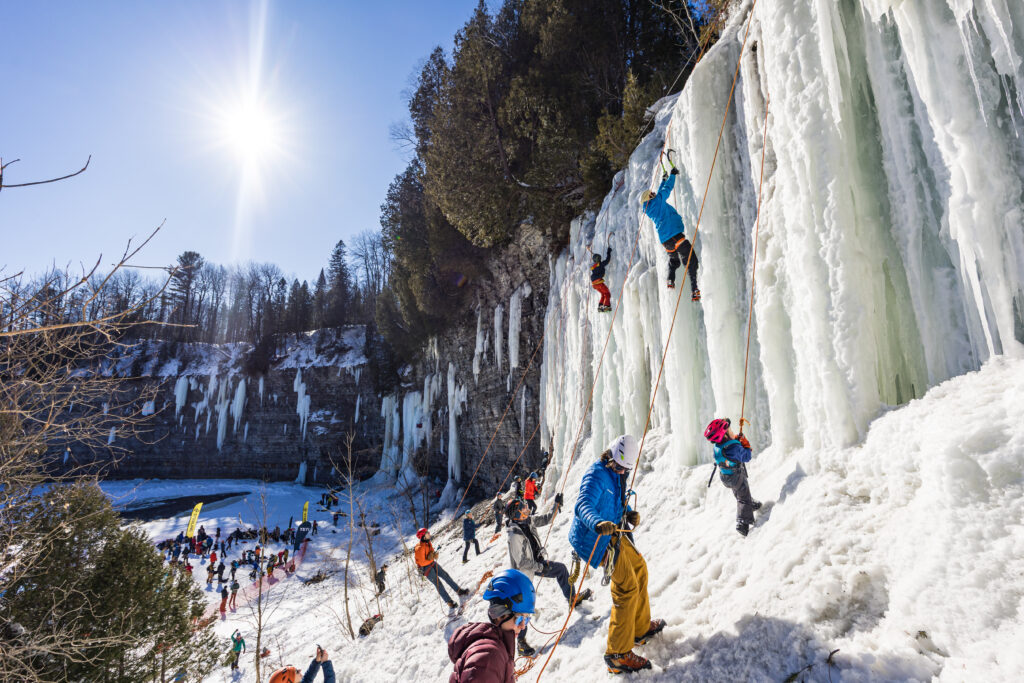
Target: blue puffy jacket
point(468, 529)
point(729, 454)
point(602, 499)
point(314, 668)
point(666, 219)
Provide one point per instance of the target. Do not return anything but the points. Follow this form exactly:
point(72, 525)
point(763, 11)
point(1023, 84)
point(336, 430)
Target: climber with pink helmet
point(731, 452)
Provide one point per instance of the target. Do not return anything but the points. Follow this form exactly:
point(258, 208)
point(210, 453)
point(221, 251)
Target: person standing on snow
point(223, 600)
point(516, 490)
point(526, 555)
point(731, 452)
point(595, 533)
point(237, 649)
point(482, 652)
point(469, 535)
point(379, 578)
point(234, 595)
point(530, 491)
point(669, 225)
point(597, 280)
point(499, 509)
point(220, 572)
point(426, 560)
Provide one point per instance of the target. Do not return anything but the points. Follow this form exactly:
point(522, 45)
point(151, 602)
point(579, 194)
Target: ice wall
point(891, 247)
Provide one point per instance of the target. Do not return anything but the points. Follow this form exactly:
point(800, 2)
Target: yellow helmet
point(647, 196)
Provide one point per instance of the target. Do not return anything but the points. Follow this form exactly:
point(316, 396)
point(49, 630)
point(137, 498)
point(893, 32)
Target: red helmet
point(421, 533)
point(715, 432)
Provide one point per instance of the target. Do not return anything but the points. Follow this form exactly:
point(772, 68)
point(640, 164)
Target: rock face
point(212, 418)
point(445, 416)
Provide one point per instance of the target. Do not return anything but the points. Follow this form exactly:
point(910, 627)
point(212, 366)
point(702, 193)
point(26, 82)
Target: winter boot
point(742, 526)
point(628, 662)
point(671, 284)
point(657, 626)
point(756, 505)
point(696, 295)
point(463, 592)
point(452, 605)
point(526, 650)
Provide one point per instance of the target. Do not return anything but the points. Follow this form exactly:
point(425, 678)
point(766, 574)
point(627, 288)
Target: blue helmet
point(512, 588)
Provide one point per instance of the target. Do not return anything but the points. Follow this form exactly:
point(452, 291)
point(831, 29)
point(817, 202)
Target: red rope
point(753, 268)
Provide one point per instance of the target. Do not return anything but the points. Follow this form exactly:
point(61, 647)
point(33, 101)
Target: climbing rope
point(753, 267)
point(675, 313)
point(693, 243)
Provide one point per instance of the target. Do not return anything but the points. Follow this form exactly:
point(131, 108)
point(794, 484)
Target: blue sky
point(138, 85)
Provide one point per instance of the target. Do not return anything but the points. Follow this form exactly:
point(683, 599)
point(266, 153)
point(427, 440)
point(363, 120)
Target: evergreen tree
point(95, 576)
point(340, 281)
point(319, 306)
point(182, 290)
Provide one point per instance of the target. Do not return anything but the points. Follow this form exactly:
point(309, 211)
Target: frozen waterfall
point(891, 249)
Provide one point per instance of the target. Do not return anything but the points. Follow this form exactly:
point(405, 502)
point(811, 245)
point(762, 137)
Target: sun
point(251, 130)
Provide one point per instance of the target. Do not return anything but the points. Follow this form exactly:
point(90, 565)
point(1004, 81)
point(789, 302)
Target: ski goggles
point(522, 620)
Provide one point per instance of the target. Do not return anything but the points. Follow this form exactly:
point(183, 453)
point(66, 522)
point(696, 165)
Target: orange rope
point(664, 354)
point(693, 244)
point(753, 267)
point(571, 608)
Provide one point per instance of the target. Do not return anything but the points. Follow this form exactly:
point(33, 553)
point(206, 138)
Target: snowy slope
point(891, 257)
point(905, 553)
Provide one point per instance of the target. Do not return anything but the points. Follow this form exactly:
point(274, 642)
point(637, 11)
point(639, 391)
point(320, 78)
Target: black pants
point(737, 481)
point(558, 572)
point(679, 252)
point(530, 503)
point(497, 522)
point(380, 586)
point(465, 550)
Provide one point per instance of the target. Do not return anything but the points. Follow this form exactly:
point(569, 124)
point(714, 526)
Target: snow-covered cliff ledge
point(891, 250)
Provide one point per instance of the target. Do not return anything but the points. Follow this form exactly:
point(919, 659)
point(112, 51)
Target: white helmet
point(625, 451)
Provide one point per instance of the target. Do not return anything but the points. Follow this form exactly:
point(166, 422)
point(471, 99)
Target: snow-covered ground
point(904, 553)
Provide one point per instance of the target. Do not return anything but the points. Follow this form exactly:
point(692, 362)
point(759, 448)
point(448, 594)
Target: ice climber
point(731, 452)
point(469, 535)
point(596, 534)
point(426, 560)
point(597, 280)
point(669, 225)
point(380, 577)
point(526, 554)
point(483, 652)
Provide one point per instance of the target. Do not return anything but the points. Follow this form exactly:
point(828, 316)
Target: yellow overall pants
point(631, 608)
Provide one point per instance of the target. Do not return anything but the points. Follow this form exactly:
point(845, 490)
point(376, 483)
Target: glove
point(605, 528)
point(558, 499)
point(633, 517)
point(664, 176)
point(743, 441)
point(675, 171)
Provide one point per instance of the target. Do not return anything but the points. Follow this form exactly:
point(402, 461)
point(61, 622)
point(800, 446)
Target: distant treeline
point(199, 301)
point(524, 122)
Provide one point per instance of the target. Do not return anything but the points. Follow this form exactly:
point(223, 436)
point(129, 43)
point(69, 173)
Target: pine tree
point(182, 290)
point(96, 577)
point(319, 305)
point(340, 281)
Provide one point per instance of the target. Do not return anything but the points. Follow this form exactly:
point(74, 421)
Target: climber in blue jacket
point(671, 232)
point(596, 533)
point(731, 452)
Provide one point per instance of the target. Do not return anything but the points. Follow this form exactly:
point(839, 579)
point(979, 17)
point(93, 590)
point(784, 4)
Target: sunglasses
point(522, 619)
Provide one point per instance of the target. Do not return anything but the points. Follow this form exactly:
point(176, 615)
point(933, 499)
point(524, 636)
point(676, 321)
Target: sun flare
point(250, 130)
